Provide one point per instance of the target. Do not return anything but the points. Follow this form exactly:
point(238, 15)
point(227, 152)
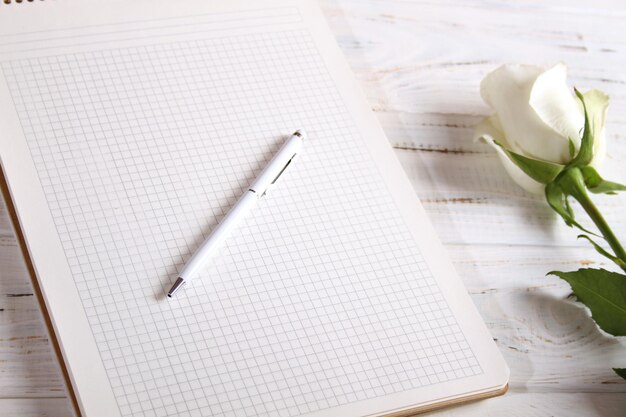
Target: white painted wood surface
point(420, 64)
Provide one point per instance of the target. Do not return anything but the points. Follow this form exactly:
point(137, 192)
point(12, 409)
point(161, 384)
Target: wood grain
point(420, 64)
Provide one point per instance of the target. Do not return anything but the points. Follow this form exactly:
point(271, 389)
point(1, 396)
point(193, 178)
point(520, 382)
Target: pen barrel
point(243, 206)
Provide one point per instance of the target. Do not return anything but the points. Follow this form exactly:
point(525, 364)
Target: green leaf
point(604, 292)
point(541, 171)
point(621, 372)
point(596, 184)
point(557, 199)
point(604, 252)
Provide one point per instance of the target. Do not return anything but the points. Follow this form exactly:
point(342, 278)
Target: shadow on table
point(574, 355)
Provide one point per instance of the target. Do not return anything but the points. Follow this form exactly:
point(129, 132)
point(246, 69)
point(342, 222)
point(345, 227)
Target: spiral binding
point(18, 1)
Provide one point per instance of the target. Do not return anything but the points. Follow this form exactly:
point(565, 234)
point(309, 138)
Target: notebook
point(128, 129)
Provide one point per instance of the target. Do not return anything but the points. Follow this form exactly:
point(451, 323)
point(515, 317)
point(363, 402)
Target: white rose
point(536, 116)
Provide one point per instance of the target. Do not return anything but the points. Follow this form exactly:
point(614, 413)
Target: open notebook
point(129, 128)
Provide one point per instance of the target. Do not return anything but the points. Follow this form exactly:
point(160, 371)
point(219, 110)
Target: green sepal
point(596, 184)
point(568, 207)
point(572, 148)
point(541, 171)
point(604, 252)
point(557, 199)
point(604, 292)
point(585, 153)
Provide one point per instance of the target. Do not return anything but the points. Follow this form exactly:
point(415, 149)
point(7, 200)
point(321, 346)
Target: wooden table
point(420, 64)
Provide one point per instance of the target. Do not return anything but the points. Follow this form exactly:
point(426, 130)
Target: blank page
point(139, 131)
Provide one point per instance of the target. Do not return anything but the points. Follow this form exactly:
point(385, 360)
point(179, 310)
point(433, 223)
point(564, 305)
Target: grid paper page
point(320, 298)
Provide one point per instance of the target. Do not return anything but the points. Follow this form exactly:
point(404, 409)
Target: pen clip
point(279, 174)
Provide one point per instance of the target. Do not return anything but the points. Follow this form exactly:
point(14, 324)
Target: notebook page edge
point(41, 302)
point(52, 278)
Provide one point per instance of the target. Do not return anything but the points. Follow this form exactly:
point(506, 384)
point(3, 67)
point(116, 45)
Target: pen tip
point(177, 286)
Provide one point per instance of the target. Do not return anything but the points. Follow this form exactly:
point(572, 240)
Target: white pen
point(244, 205)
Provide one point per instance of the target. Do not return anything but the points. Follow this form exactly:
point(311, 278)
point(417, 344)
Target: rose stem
point(574, 185)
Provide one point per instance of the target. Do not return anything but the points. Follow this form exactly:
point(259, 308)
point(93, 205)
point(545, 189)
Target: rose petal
point(599, 150)
point(597, 106)
point(489, 131)
point(490, 126)
point(557, 106)
point(507, 90)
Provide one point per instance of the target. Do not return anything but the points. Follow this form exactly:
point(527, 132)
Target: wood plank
point(446, 48)
point(428, 83)
point(541, 405)
point(28, 366)
point(34, 407)
point(471, 200)
point(512, 404)
point(548, 340)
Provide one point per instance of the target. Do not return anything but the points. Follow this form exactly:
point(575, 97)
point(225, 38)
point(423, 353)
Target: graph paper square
point(321, 298)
